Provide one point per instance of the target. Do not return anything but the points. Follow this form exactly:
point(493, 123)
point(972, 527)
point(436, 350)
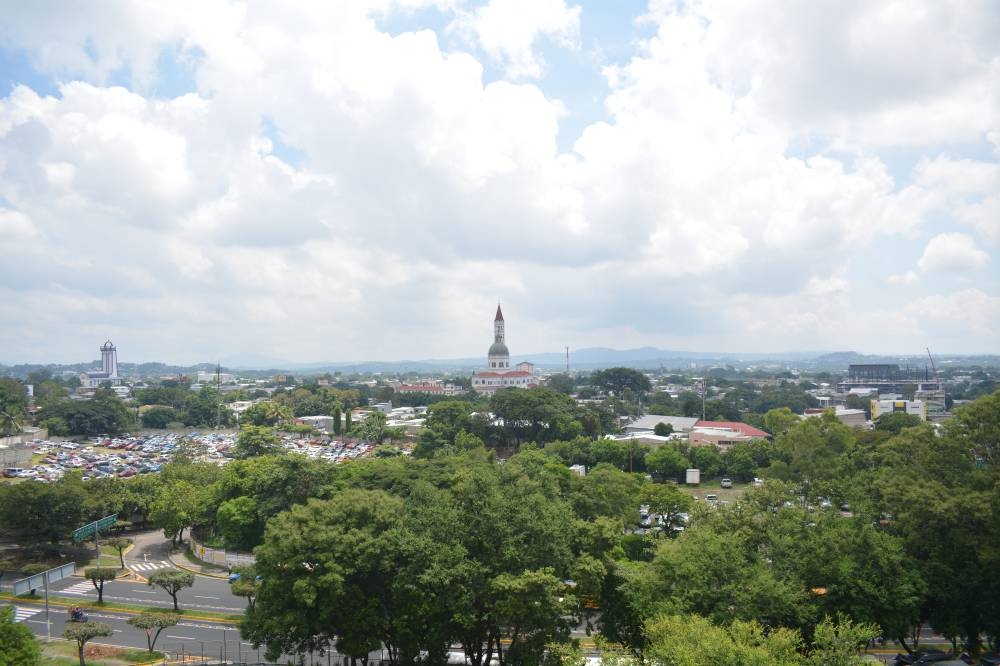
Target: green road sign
point(82, 533)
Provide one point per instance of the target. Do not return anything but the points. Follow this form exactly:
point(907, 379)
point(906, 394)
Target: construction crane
point(933, 366)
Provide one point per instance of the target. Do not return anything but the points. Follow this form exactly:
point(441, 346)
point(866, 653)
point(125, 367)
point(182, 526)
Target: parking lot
point(131, 455)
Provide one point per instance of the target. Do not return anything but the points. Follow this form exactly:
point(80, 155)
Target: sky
point(365, 179)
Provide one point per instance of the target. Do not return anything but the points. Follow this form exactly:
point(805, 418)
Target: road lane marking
point(22, 613)
point(182, 638)
point(149, 566)
point(198, 596)
point(86, 587)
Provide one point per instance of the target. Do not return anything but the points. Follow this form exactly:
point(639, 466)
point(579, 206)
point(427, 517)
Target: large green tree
point(239, 523)
point(39, 512)
point(153, 624)
point(171, 581)
point(254, 440)
point(13, 403)
point(18, 646)
point(338, 589)
point(618, 380)
point(99, 576)
point(536, 415)
point(83, 633)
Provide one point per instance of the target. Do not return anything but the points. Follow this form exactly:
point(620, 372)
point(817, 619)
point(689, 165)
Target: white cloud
point(952, 252)
point(970, 316)
point(394, 194)
point(983, 216)
point(909, 277)
point(508, 30)
point(914, 73)
point(15, 225)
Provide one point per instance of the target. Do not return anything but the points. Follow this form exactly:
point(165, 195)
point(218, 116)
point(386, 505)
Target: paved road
point(207, 594)
point(148, 555)
point(213, 640)
point(191, 636)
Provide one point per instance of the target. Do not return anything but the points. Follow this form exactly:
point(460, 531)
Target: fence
point(237, 653)
point(223, 558)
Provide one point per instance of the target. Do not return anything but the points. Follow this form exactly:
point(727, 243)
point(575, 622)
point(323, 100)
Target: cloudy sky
point(363, 179)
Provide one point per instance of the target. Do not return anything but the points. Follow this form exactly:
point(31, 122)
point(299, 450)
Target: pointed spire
point(499, 316)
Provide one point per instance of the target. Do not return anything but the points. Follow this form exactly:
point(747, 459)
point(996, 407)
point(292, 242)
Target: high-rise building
point(498, 374)
point(109, 359)
point(109, 369)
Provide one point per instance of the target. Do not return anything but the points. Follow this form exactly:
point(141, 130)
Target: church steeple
point(498, 326)
point(498, 357)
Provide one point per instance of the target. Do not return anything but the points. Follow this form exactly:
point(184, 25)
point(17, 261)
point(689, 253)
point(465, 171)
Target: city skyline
point(360, 181)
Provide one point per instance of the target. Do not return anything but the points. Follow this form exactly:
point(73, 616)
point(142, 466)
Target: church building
point(498, 374)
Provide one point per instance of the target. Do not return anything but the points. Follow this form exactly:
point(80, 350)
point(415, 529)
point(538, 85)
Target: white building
point(911, 407)
point(209, 377)
point(498, 374)
point(109, 369)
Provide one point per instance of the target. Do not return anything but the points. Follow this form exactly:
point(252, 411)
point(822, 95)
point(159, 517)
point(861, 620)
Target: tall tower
point(498, 357)
point(109, 359)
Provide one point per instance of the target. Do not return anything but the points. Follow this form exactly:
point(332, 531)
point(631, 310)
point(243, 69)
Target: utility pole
point(704, 389)
point(218, 390)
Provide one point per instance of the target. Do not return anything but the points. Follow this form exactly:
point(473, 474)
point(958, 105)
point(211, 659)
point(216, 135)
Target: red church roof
point(504, 373)
point(738, 426)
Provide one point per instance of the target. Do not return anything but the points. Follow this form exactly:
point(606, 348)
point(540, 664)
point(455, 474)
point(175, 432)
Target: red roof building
point(739, 426)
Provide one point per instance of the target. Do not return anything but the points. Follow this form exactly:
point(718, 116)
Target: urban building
point(498, 374)
point(648, 423)
point(889, 378)
point(213, 377)
point(430, 386)
point(724, 434)
point(320, 422)
point(911, 407)
point(109, 369)
point(853, 418)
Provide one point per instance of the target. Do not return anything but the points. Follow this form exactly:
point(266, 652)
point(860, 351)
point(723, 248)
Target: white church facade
point(498, 374)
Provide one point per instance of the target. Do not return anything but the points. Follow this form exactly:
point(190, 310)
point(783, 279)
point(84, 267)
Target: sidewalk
point(179, 560)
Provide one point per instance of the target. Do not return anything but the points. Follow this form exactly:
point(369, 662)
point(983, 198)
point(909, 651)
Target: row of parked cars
point(129, 455)
point(332, 451)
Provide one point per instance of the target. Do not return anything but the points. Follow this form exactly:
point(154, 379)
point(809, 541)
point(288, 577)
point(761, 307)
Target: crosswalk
point(22, 613)
point(149, 566)
point(79, 588)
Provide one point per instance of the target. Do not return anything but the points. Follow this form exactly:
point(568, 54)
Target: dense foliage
point(18, 646)
point(897, 528)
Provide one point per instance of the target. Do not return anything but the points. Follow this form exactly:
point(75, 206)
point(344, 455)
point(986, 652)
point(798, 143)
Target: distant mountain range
point(593, 358)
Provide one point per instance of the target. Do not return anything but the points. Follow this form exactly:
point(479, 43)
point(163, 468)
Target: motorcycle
point(76, 614)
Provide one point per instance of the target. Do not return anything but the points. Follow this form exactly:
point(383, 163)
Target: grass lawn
point(712, 487)
point(63, 653)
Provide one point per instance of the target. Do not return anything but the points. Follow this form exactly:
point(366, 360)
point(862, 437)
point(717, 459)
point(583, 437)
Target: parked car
point(726, 482)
